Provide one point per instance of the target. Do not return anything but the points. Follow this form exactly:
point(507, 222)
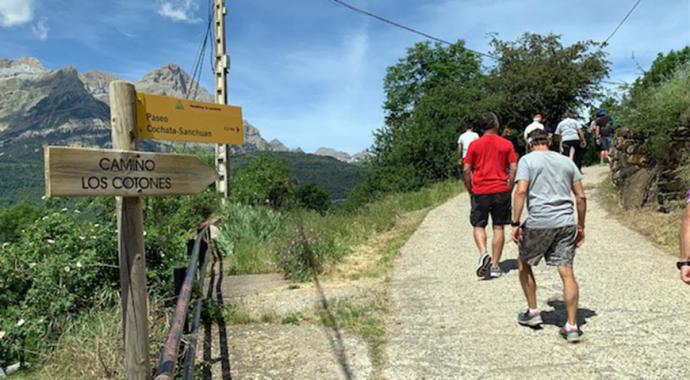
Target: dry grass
point(660, 228)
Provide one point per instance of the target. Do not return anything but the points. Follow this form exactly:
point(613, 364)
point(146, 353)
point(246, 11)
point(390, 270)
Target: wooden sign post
point(130, 236)
point(128, 174)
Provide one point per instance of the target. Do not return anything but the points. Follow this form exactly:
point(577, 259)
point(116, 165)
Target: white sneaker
point(484, 264)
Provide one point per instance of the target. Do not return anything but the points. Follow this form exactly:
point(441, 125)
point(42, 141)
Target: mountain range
point(42, 106)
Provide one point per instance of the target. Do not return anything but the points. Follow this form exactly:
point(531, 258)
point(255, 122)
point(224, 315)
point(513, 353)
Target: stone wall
point(641, 180)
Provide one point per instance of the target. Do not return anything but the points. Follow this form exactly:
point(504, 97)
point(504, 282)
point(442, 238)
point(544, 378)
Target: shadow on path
point(331, 327)
point(215, 293)
point(558, 317)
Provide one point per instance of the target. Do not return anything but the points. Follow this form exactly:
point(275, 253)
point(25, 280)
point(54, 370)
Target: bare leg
point(480, 238)
point(497, 243)
point(529, 284)
point(571, 293)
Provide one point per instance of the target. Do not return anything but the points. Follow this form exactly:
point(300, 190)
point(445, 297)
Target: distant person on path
point(684, 263)
point(546, 179)
point(508, 135)
point(604, 135)
point(573, 140)
point(489, 175)
point(464, 142)
point(536, 124)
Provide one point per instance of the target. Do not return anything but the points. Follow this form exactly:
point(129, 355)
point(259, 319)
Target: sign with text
point(166, 118)
point(105, 172)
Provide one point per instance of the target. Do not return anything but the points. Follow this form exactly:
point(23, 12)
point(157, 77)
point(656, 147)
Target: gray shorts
point(556, 245)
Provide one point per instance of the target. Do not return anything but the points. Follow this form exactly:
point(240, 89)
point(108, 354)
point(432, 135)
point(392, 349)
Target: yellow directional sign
point(105, 172)
point(166, 118)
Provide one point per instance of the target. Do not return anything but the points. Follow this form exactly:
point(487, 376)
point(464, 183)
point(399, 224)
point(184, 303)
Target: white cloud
point(16, 12)
point(41, 29)
point(179, 10)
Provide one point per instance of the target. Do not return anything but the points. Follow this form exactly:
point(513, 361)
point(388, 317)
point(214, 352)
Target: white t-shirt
point(465, 139)
point(533, 126)
point(568, 128)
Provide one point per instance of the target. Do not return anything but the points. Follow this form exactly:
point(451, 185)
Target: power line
point(606, 41)
point(199, 62)
point(401, 26)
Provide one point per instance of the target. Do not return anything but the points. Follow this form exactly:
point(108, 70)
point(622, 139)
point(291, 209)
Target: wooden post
point(130, 231)
point(222, 62)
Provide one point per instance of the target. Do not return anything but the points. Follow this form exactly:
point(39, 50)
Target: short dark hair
point(489, 120)
point(537, 137)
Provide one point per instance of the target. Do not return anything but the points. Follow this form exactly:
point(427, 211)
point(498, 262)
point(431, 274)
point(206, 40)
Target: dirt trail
point(444, 323)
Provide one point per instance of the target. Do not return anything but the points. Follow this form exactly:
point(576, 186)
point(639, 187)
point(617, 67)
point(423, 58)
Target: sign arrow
point(105, 172)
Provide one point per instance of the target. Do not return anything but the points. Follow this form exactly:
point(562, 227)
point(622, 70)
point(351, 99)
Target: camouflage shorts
point(556, 245)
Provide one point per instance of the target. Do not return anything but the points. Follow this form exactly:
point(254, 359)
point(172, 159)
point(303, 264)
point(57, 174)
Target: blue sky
point(310, 72)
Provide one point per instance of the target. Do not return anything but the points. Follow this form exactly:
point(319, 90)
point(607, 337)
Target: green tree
point(264, 181)
point(431, 94)
point(537, 74)
point(313, 197)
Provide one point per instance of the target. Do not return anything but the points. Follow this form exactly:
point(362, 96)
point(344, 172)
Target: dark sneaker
point(495, 272)
point(531, 320)
point(484, 264)
point(571, 335)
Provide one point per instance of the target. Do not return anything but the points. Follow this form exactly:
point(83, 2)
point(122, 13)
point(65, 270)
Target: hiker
point(464, 142)
point(604, 135)
point(508, 135)
point(684, 263)
point(489, 175)
point(546, 179)
point(536, 124)
point(573, 139)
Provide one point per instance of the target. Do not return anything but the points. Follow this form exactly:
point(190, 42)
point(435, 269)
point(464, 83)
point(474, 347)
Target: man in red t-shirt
point(489, 175)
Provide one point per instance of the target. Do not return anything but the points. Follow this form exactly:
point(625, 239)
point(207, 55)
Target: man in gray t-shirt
point(546, 179)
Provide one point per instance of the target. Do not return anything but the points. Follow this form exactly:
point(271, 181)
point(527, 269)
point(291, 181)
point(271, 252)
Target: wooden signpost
point(103, 172)
point(128, 174)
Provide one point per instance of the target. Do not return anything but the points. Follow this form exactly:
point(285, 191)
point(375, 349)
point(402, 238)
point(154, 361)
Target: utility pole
point(222, 63)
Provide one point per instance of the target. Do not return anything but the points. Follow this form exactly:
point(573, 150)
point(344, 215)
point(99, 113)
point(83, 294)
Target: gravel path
point(446, 324)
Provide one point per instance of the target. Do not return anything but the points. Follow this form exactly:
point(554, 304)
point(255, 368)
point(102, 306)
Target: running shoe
point(495, 272)
point(571, 335)
point(484, 264)
point(531, 320)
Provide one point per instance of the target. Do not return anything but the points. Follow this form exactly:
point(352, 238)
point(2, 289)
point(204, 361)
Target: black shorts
point(498, 205)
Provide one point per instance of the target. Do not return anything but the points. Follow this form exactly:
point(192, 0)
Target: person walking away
point(489, 174)
point(684, 263)
point(604, 135)
point(546, 179)
point(536, 124)
point(464, 142)
point(508, 135)
point(572, 139)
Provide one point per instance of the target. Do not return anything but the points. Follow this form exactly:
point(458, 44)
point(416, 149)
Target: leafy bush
point(653, 115)
point(307, 254)
point(13, 218)
point(264, 182)
point(312, 197)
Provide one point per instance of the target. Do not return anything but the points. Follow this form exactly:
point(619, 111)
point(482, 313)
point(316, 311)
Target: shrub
point(313, 197)
point(265, 182)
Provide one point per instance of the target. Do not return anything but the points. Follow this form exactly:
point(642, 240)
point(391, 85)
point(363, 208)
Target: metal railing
point(196, 271)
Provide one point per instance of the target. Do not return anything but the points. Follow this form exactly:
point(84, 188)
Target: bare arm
point(685, 236)
point(519, 199)
point(460, 148)
point(512, 170)
point(685, 246)
point(467, 177)
point(581, 201)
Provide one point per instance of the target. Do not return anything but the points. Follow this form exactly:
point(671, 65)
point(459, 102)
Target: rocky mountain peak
point(97, 83)
point(172, 80)
point(21, 67)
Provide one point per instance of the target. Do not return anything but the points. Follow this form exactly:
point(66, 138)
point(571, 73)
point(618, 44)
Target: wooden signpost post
point(129, 174)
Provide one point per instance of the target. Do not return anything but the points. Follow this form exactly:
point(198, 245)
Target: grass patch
point(660, 228)
point(261, 241)
point(366, 319)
